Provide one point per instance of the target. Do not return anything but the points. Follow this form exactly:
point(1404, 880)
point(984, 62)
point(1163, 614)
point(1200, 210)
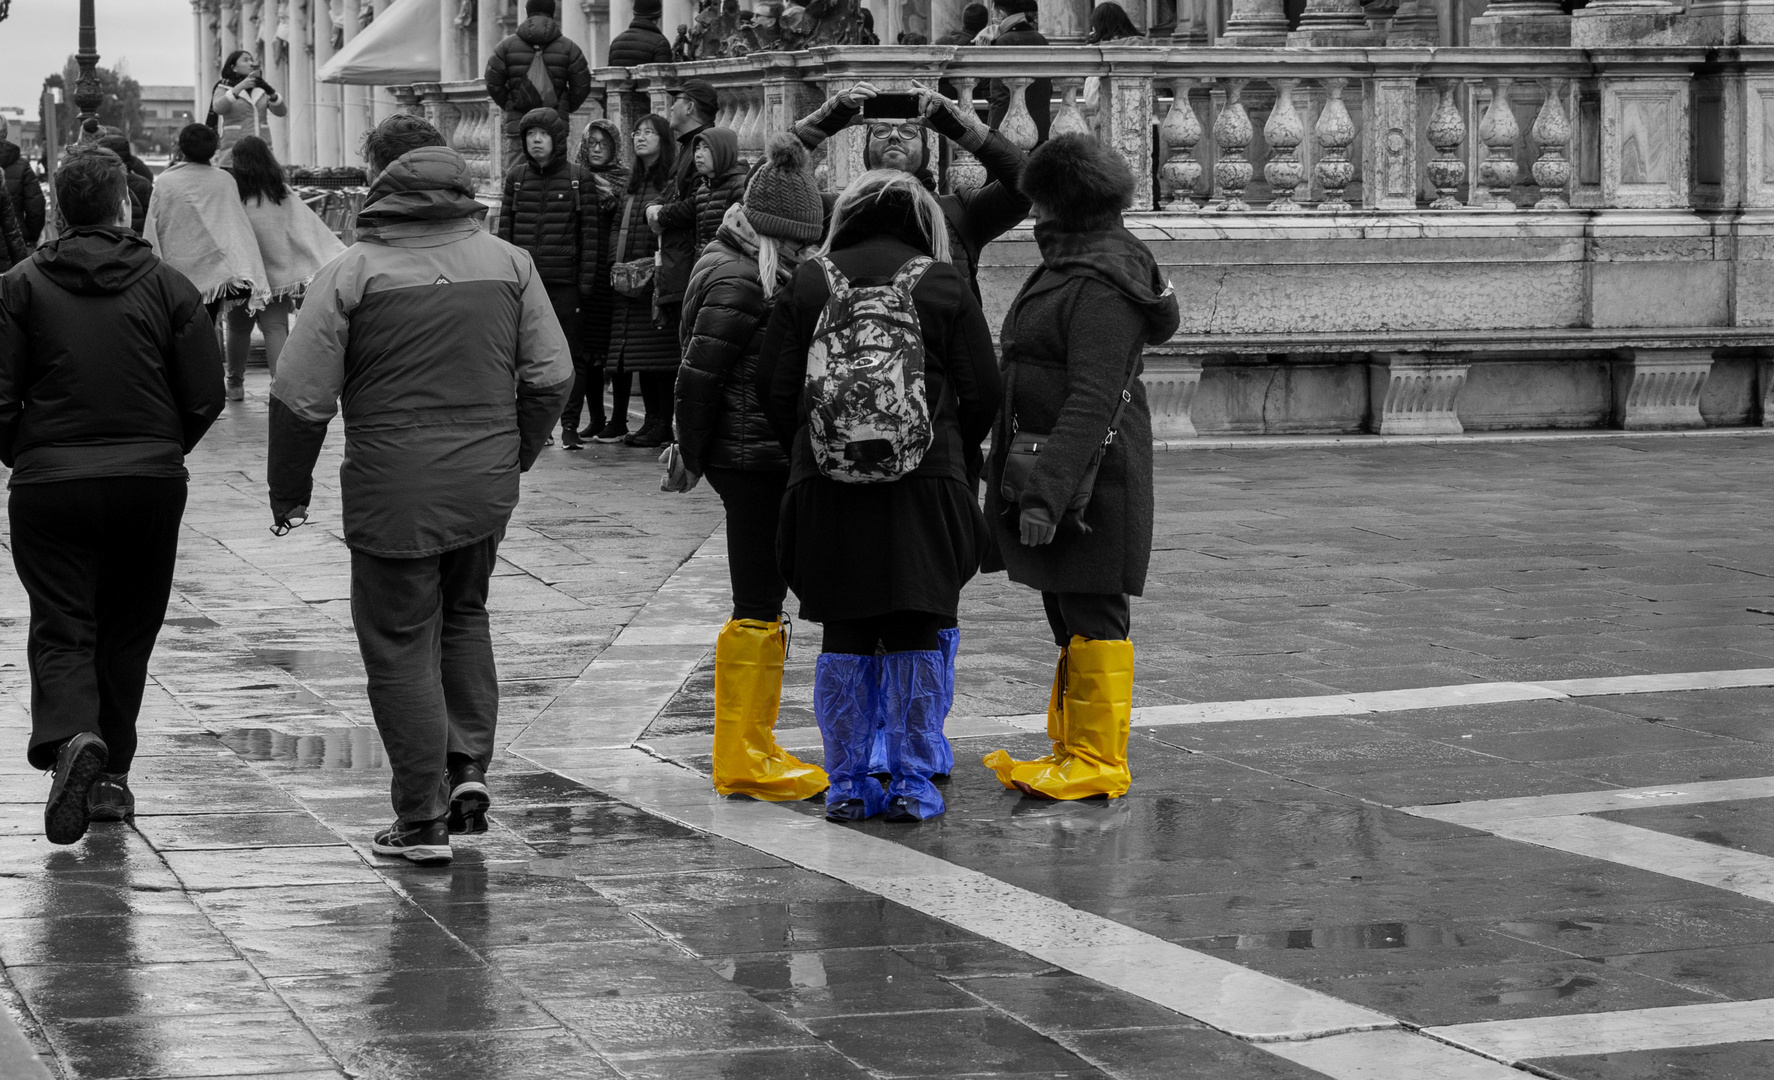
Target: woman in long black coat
point(881, 565)
point(639, 345)
point(1072, 356)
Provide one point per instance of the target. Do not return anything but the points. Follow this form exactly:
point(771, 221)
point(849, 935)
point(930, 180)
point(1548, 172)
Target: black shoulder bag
point(1024, 454)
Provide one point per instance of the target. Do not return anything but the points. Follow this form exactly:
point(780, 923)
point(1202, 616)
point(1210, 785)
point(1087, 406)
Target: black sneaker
point(468, 799)
point(614, 431)
point(78, 763)
point(592, 430)
point(649, 437)
point(425, 842)
point(111, 799)
point(570, 438)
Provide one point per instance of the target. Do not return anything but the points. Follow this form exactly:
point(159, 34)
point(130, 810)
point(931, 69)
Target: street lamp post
point(87, 94)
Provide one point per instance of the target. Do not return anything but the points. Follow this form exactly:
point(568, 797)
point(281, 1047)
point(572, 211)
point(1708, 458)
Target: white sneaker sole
point(423, 854)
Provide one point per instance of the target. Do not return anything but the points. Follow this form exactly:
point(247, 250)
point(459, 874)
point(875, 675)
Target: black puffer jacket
point(677, 222)
point(27, 193)
point(508, 71)
point(720, 419)
point(553, 211)
point(715, 193)
point(108, 362)
point(13, 249)
point(641, 43)
point(636, 344)
point(611, 180)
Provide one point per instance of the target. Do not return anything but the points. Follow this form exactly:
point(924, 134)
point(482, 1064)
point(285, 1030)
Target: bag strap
point(913, 272)
point(1126, 396)
point(835, 281)
point(621, 252)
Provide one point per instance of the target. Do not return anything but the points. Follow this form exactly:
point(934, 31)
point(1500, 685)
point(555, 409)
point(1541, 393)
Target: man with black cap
point(673, 217)
point(641, 43)
point(537, 67)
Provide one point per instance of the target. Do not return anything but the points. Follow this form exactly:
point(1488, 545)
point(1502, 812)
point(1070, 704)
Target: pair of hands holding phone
point(918, 103)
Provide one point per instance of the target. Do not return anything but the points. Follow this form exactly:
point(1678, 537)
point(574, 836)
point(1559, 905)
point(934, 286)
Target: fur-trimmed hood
point(1120, 260)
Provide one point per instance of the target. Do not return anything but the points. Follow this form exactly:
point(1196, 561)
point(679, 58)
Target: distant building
point(165, 109)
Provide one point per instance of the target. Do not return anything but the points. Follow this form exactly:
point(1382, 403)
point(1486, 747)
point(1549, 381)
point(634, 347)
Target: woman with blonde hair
point(879, 377)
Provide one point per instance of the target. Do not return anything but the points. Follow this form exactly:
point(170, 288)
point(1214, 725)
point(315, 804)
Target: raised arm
point(998, 205)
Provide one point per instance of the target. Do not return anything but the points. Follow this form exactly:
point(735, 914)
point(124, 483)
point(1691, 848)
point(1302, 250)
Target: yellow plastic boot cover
point(1098, 709)
point(748, 692)
point(1011, 771)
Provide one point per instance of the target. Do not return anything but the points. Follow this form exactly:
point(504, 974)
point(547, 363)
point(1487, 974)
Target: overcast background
point(154, 36)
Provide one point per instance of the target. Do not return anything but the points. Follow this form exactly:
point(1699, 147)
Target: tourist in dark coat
point(140, 177)
point(643, 345)
point(600, 159)
point(973, 19)
point(881, 565)
point(551, 210)
point(517, 86)
point(722, 433)
point(641, 43)
point(692, 112)
point(720, 180)
point(1072, 344)
point(109, 375)
point(27, 194)
point(13, 249)
point(1016, 26)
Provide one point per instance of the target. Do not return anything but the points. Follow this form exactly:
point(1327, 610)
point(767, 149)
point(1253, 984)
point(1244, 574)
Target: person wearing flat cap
point(673, 217)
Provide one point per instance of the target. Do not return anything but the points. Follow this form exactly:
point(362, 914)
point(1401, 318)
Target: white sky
point(154, 35)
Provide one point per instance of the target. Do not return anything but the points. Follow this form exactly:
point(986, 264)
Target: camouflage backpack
point(866, 409)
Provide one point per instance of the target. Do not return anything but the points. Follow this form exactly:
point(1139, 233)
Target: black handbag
point(1024, 453)
point(634, 278)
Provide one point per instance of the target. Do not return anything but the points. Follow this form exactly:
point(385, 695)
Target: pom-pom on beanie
point(1078, 180)
point(781, 198)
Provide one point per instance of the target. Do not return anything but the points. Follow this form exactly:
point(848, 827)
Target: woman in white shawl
point(239, 102)
point(293, 243)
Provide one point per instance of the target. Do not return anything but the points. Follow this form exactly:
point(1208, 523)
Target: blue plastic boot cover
point(878, 750)
point(912, 702)
point(846, 700)
point(949, 639)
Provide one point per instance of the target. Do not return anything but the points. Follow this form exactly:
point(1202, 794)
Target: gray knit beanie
point(781, 198)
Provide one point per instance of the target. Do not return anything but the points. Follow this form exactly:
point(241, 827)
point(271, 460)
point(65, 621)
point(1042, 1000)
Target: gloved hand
point(1037, 527)
point(946, 116)
point(836, 111)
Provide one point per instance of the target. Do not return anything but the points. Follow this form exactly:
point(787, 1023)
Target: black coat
point(720, 418)
point(1073, 335)
point(27, 193)
point(641, 43)
point(677, 222)
point(854, 551)
point(508, 71)
point(1038, 97)
point(635, 343)
point(13, 249)
point(108, 362)
point(552, 211)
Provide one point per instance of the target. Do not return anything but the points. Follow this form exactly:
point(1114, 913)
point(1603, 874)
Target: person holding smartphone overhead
point(239, 102)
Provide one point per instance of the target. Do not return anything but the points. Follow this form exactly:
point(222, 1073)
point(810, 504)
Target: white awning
point(400, 47)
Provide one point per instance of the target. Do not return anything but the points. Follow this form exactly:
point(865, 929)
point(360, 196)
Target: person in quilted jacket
point(720, 180)
point(880, 565)
point(516, 83)
point(600, 159)
point(641, 43)
point(13, 249)
point(552, 210)
point(723, 434)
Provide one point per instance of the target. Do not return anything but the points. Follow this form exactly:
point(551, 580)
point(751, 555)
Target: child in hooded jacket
point(720, 180)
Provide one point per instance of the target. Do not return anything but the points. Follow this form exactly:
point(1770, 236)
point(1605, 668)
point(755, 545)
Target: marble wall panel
point(1645, 142)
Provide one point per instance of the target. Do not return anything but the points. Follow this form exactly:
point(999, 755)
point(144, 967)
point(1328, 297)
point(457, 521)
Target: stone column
point(228, 27)
point(201, 67)
point(1256, 23)
point(575, 25)
point(1508, 24)
point(487, 33)
point(1334, 24)
point(277, 69)
point(382, 102)
point(301, 84)
point(449, 44)
point(1646, 23)
point(356, 98)
point(328, 111)
point(1062, 22)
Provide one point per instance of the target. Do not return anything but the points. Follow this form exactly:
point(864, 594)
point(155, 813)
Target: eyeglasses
point(902, 132)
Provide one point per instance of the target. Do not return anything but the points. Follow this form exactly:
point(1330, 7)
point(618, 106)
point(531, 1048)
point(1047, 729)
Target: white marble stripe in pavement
point(1710, 1024)
point(1742, 872)
point(1269, 1012)
point(1482, 814)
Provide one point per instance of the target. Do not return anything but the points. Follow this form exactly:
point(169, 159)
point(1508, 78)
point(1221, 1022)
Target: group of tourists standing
point(824, 360)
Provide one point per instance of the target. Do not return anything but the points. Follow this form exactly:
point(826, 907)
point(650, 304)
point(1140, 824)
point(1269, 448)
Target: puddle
point(1538, 995)
point(1363, 936)
point(192, 622)
point(345, 748)
point(312, 663)
point(1546, 928)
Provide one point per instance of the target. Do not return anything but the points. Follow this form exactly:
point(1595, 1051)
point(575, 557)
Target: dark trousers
point(1099, 616)
point(96, 559)
point(896, 631)
point(565, 301)
point(753, 500)
point(656, 391)
point(428, 651)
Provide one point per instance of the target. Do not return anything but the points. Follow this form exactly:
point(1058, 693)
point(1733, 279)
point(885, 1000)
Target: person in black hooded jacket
point(641, 43)
point(109, 375)
point(517, 86)
point(720, 180)
point(27, 194)
point(1073, 343)
point(552, 209)
point(13, 249)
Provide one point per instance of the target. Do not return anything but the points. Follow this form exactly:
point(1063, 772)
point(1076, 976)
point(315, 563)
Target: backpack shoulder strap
point(835, 281)
point(913, 272)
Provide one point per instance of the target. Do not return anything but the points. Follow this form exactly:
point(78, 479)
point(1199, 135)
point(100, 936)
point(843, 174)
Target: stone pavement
point(1509, 864)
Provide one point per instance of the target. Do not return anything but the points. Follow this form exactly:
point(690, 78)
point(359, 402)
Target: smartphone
point(892, 107)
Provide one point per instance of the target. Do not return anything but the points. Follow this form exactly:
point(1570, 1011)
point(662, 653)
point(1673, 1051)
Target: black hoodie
point(108, 362)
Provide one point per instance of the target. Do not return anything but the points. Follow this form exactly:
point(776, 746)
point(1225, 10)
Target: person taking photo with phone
point(239, 103)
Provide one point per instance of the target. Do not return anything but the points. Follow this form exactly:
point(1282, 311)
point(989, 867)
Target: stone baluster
point(1256, 24)
point(1018, 126)
point(1232, 133)
point(1552, 130)
point(1284, 133)
point(1335, 131)
point(1068, 119)
point(1181, 131)
point(965, 171)
point(1447, 130)
point(1499, 131)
